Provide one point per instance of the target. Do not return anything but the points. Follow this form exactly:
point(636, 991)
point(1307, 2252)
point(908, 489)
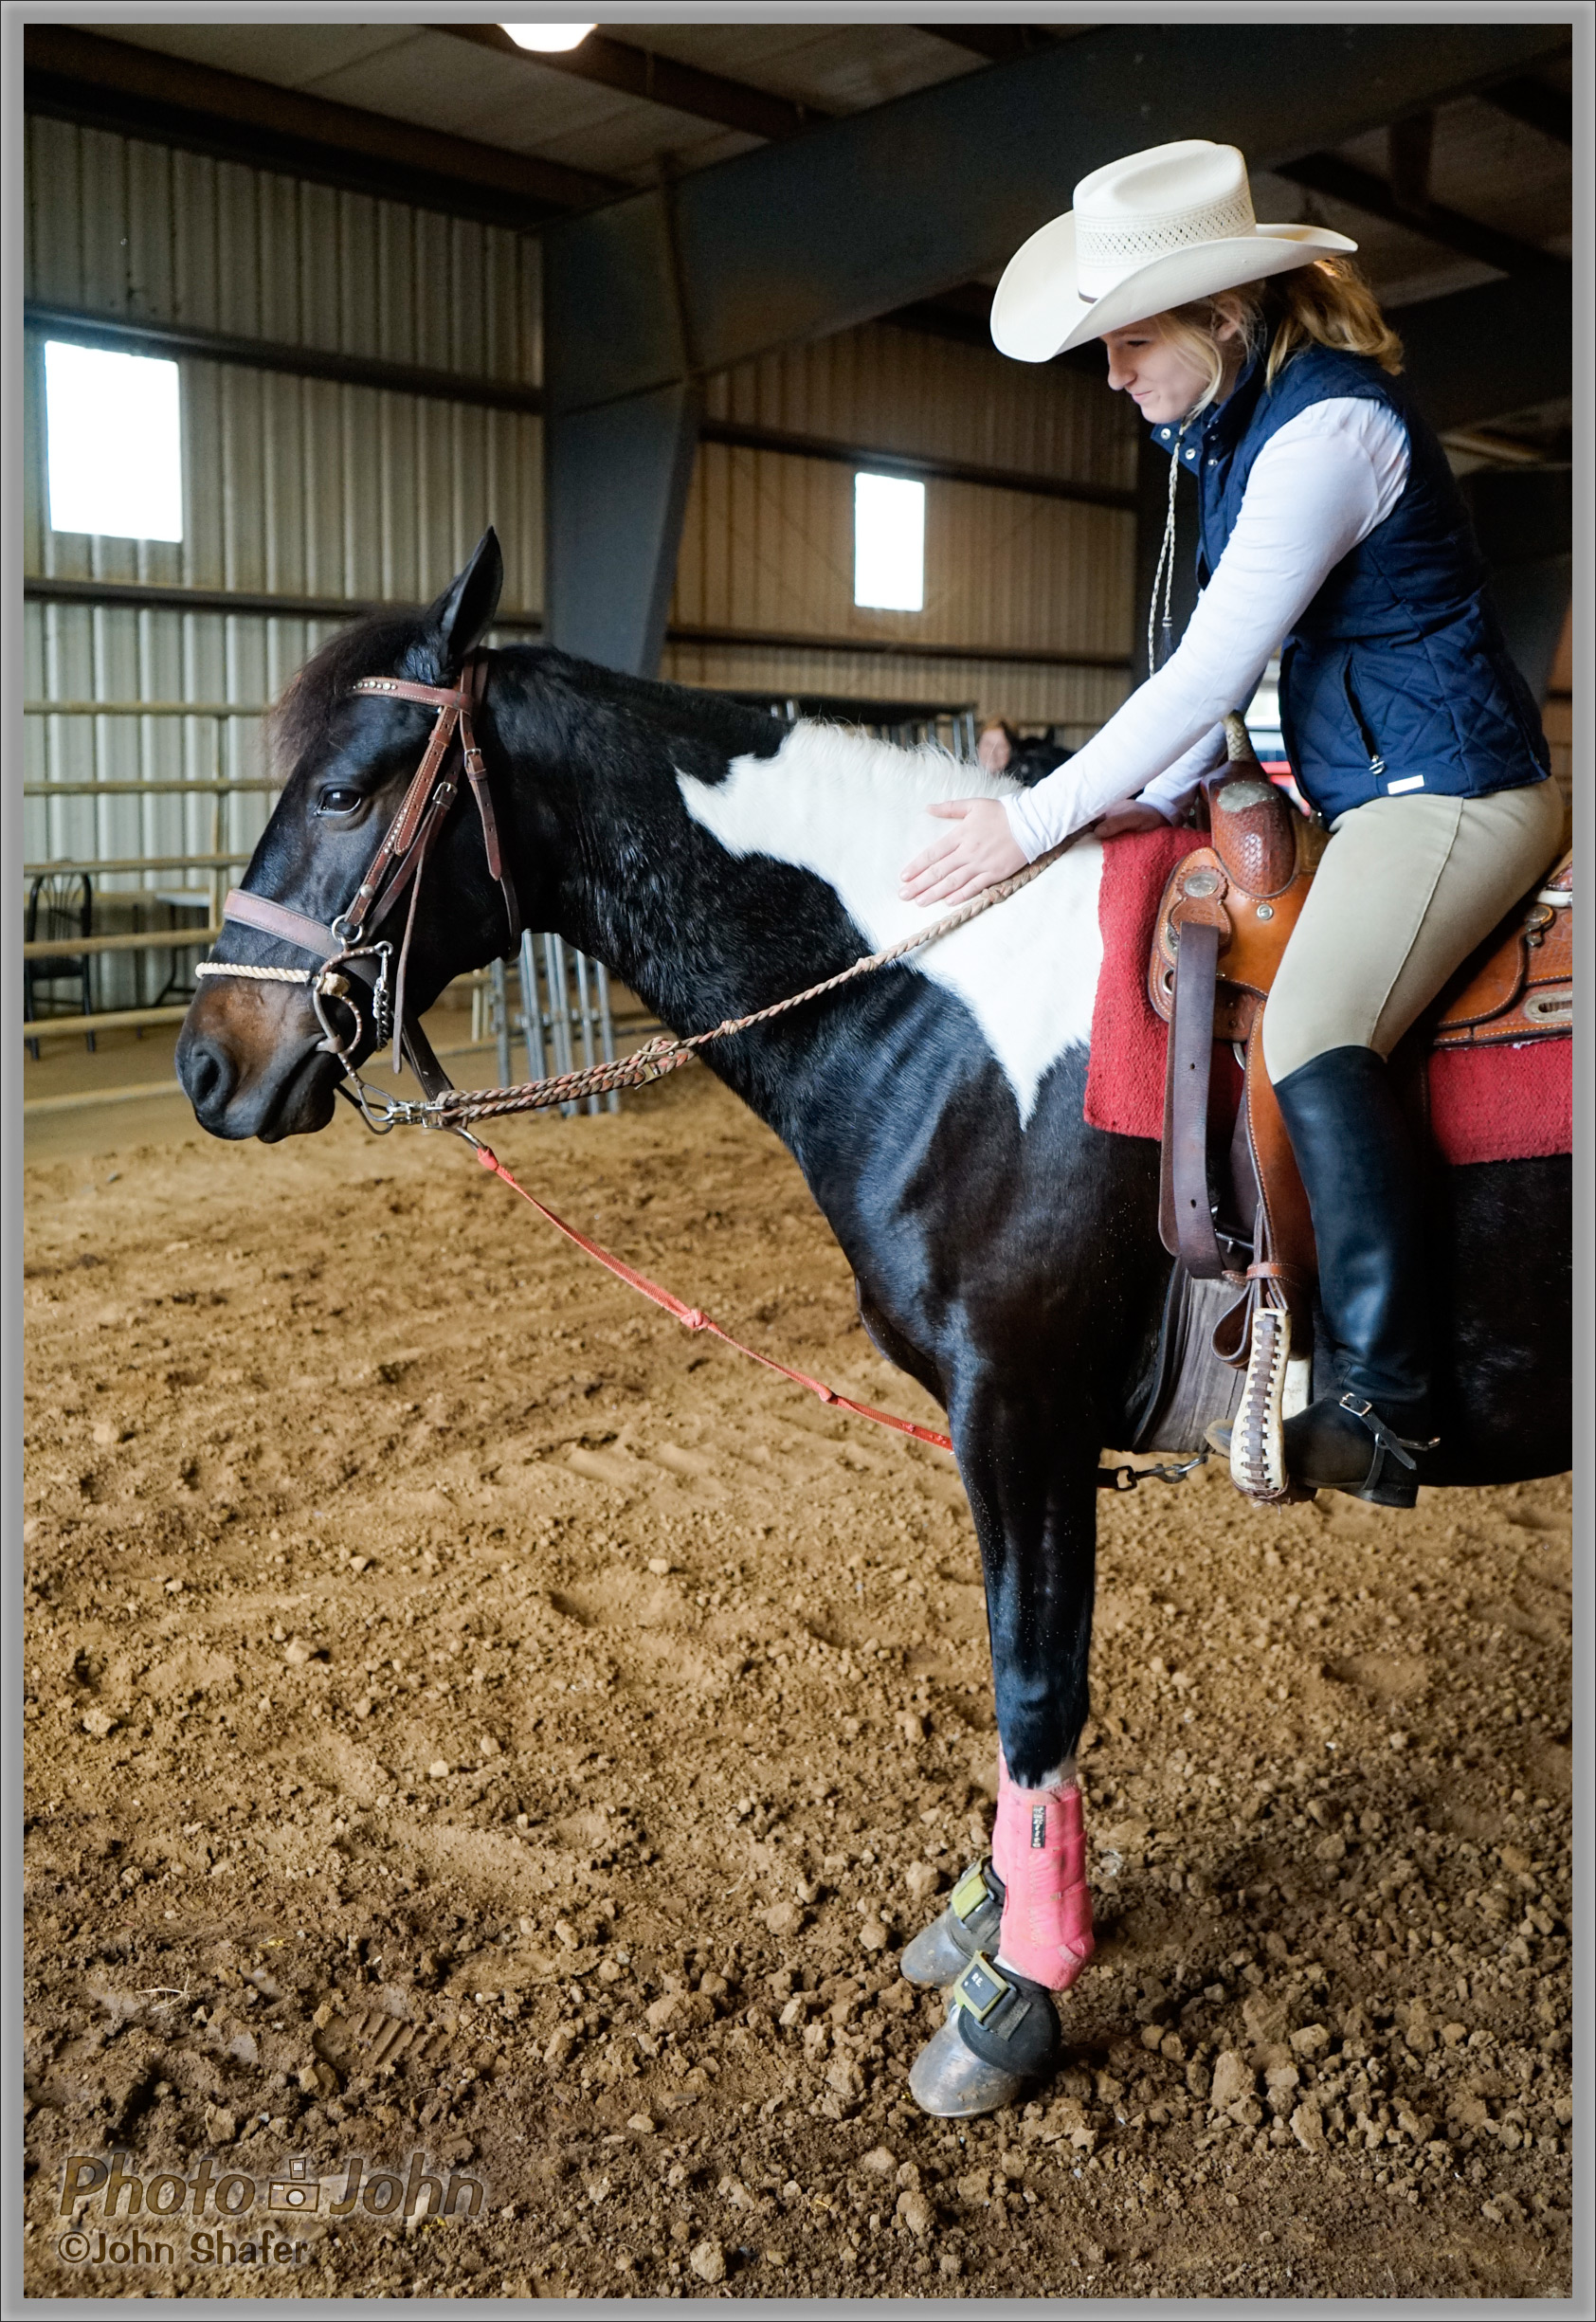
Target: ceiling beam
point(83, 77)
point(644, 298)
point(1481, 354)
point(137, 92)
point(1343, 181)
point(640, 72)
point(780, 440)
point(1000, 44)
point(125, 335)
point(961, 313)
point(1531, 101)
point(898, 202)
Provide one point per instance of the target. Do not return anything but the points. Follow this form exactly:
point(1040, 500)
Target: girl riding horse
point(1329, 519)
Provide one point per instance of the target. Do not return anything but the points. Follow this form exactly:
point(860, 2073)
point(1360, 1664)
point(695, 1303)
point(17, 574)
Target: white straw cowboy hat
point(1147, 233)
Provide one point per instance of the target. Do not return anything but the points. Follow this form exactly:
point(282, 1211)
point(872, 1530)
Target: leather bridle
point(351, 941)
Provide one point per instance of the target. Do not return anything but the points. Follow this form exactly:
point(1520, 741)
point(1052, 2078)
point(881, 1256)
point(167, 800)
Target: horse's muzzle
point(250, 1063)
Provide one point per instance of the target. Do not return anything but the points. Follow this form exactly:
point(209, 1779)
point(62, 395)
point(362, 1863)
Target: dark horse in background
point(1007, 1254)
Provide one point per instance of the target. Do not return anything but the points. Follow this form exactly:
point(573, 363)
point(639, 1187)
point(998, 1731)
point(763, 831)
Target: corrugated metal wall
point(904, 390)
point(769, 538)
point(292, 486)
point(136, 228)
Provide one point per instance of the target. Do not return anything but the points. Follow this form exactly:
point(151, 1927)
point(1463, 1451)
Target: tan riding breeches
point(1405, 889)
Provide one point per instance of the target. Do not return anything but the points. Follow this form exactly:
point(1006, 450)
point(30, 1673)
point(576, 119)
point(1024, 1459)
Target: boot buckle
point(970, 1893)
point(981, 1989)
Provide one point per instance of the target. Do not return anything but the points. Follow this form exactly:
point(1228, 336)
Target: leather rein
point(351, 951)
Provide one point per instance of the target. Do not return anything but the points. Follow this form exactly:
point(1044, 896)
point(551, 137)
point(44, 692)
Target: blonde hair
point(1325, 304)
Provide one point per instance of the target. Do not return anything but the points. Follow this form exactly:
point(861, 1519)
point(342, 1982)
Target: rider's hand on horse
point(975, 855)
point(1121, 821)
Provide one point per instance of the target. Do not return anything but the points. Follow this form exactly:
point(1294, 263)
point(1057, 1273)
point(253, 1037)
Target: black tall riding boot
point(1361, 1171)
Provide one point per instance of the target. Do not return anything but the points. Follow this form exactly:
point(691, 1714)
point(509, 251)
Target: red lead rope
point(694, 1317)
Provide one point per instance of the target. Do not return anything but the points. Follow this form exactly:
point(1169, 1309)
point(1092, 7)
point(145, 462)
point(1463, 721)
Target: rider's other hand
point(1121, 821)
point(979, 851)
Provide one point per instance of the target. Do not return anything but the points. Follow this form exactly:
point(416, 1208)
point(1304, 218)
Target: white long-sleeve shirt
point(1317, 487)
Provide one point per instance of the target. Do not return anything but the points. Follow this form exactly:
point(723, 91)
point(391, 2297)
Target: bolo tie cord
point(1165, 576)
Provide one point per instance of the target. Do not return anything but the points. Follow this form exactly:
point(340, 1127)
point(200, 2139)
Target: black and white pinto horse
point(1007, 1254)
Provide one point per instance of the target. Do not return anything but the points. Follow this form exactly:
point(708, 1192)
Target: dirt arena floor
point(471, 1719)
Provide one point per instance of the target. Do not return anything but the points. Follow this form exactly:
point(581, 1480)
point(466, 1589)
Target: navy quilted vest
point(1396, 678)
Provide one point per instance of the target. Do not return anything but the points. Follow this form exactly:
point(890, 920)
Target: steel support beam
point(617, 482)
point(798, 240)
point(650, 295)
point(120, 334)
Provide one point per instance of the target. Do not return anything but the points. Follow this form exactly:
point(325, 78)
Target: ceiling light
point(553, 40)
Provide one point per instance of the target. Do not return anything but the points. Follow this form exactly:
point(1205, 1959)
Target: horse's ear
point(458, 622)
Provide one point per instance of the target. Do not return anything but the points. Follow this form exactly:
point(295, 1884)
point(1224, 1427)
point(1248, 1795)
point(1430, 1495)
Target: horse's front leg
point(1022, 1930)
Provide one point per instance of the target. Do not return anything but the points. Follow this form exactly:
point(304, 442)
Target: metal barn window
point(889, 543)
point(115, 444)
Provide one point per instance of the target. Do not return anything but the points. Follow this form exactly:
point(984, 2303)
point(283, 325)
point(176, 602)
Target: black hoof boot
point(1002, 2035)
point(1341, 1443)
point(970, 1923)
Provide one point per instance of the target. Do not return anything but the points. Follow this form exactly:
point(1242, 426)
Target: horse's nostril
point(207, 1074)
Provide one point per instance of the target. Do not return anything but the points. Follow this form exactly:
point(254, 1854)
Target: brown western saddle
point(1240, 1212)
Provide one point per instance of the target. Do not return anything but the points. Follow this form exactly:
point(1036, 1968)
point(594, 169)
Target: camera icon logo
point(298, 2191)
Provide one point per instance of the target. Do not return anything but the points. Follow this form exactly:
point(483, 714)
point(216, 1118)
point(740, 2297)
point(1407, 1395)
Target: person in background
point(1028, 758)
point(995, 745)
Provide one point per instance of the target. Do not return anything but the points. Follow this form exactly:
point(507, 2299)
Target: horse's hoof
point(970, 1923)
point(934, 1957)
point(1002, 2032)
point(950, 2082)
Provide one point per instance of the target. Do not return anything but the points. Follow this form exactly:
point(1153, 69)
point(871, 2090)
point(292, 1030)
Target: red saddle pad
point(1486, 1104)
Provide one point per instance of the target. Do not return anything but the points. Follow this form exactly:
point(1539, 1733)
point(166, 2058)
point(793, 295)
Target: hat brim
point(1039, 312)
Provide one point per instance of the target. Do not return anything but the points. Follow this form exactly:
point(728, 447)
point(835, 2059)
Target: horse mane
point(389, 642)
point(373, 647)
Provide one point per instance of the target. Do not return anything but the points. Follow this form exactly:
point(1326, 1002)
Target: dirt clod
point(708, 2260)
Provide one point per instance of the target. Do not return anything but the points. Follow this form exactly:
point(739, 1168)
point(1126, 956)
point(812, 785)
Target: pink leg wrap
point(1038, 1851)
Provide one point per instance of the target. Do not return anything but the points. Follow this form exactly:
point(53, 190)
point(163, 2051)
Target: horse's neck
point(708, 938)
point(684, 885)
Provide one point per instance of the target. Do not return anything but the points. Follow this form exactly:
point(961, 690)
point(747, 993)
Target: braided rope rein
point(667, 1053)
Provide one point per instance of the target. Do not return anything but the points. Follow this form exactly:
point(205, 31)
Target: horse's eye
point(338, 801)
